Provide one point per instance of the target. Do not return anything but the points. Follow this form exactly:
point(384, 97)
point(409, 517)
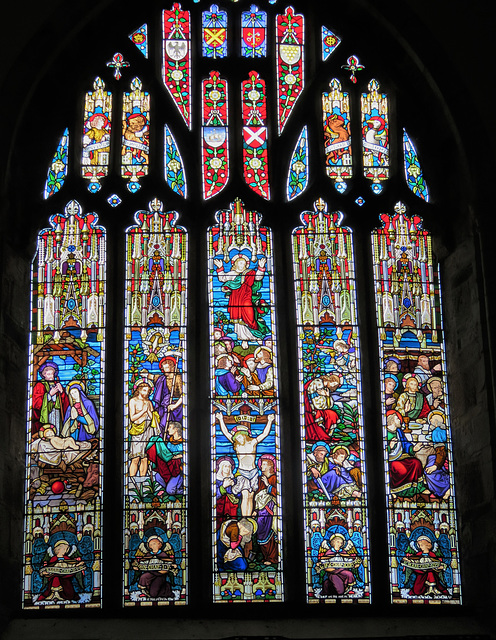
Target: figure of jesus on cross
point(245, 448)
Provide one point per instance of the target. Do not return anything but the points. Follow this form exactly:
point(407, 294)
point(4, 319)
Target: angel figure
point(61, 568)
point(425, 565)
point(337, 564)
point(157, 561)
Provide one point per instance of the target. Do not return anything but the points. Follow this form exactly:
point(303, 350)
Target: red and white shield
point(254, 136)
point(253, 36)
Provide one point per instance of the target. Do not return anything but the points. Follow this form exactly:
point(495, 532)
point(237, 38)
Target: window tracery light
point(353, 65)
point(375, 136)
point(173, 163)
point(114, 200)
point(414, 175)
point(298, 173)
point(337, 135)
point(214, 31)
point(254, 111)
point(290, 47)
point(140, 39)
point(96, 135)
point(117, 63)
point(215, 135)
point(176, 61)
point(330, 41)
point(135, 134)
point(254, 33)
point(57, 171)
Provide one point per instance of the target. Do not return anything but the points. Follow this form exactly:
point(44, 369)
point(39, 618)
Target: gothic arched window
point(220, 150)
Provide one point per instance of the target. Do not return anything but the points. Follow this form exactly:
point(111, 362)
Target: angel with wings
point(158, 563)
point(338, 561)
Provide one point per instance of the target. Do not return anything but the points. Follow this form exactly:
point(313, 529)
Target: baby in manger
point(53, 450)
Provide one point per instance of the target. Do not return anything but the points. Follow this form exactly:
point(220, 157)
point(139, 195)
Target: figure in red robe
point(320, 417)
point(242, 286)
point(59, 585)
point(405, 470)
point(427, 581)
point(50, 401)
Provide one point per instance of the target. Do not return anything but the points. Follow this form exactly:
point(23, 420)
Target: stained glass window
point(246, 461)
point(336, 521)
point(58, 169)
point(375, 136)
point(298, 167)
point(215, 135)
point(423, 550)
point(253, 33)
point(214, 30)
point(254, 109)
point(413, 171)
point(337, 134)
point(176, 64)
point(96, 135)
point(155, 411)
point(289, 61)
point(135, 134)
point(62, 539)
point(63, 485)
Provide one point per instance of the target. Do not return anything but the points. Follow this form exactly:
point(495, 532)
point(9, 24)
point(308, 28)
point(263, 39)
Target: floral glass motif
point(114, 200)
point(337, 135)
point(155, 412)
point(254, 109)
point(214, 32)
point(353, 66)
point(298, 167)
point(289, 61)
point(329, 42)
point(174, 168)
point(117, 63)
point(135, 134)
point(413, 171)
point(215, 135)
point(423, 549)
point(64, 461)
point(335, 499)
point(375, 136)
point(253, 33)
point(140, 39)
point(246, 463)
point(176, 69)
point(58, 168)
point(96, 135)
